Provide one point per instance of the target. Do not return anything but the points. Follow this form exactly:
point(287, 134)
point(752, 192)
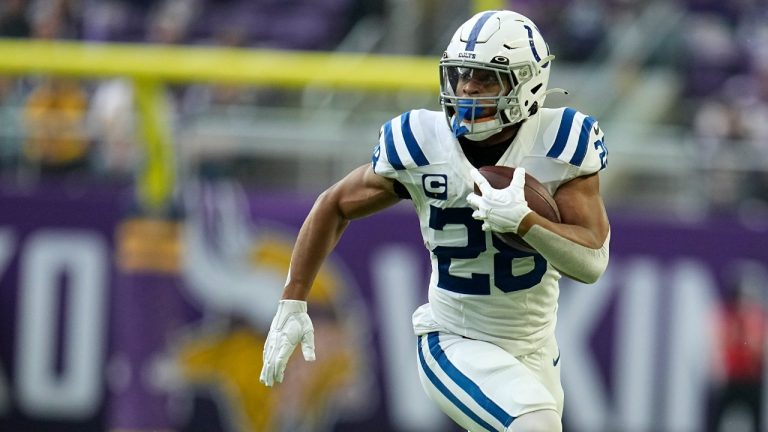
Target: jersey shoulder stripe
point(402, 149)
point(410, 141)
point(391, 151)
point(581, 147)
point(572, 140)
point(562, 133)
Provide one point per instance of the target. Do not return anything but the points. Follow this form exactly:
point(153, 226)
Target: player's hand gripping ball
point(508, 204)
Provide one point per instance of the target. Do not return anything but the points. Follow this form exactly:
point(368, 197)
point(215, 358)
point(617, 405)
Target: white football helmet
point(501, 46)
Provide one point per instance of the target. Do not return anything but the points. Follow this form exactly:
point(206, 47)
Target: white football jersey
point(479, 287)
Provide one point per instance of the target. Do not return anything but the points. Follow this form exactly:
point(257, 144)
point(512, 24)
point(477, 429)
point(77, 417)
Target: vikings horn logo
point(235, 271)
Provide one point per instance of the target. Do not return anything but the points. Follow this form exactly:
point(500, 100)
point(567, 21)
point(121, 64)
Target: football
point(537, 196)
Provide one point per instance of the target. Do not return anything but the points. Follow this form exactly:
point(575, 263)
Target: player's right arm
point(361, 193)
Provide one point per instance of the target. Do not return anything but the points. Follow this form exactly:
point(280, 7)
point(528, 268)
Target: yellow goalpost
point(151, 66)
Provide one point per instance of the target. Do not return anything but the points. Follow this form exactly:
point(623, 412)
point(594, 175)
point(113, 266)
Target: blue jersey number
point(603, 152)
point(480, 283)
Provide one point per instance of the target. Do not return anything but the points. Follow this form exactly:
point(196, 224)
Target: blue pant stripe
point(466, 384)
point(447, 393)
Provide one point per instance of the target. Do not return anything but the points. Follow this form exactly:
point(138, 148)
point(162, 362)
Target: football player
point(487, 354)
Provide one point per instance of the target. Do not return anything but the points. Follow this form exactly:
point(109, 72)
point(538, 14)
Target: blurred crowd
point(724, 65)
point(719, 52)
point(60, 125)
point(247, 22)
point(54, 126)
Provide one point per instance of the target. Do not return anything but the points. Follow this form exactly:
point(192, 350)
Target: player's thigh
point(478, 384)
point(545, 364)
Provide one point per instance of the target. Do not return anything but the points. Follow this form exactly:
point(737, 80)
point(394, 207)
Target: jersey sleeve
point(400, 146)
point(579, 142)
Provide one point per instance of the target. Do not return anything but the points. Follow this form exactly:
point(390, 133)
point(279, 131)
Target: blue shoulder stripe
point(389, 139)
point(562, 134)
point(581, 148)
point(476, 30)
point(410, 141)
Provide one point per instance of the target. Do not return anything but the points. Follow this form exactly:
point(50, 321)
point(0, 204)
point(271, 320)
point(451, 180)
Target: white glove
point(501, 210)
point(290, 326)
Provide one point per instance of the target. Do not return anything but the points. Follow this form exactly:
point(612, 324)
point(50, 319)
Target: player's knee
point(537, 421)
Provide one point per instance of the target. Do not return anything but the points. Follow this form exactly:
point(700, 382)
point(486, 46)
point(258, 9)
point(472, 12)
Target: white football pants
point(481, 386)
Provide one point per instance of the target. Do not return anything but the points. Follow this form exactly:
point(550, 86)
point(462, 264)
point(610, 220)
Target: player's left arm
point(578, 246)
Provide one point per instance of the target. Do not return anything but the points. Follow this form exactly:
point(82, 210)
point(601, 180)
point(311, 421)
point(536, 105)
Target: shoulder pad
point(579, 141)
point(401, 144)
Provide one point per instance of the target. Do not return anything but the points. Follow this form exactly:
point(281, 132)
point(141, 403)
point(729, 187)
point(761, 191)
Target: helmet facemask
point(507, 50)
point(478, 117)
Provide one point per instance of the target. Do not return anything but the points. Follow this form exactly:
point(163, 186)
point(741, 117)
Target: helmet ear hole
point(534, 109)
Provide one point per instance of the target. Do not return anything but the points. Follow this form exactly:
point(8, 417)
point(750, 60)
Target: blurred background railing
point(224, 118)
